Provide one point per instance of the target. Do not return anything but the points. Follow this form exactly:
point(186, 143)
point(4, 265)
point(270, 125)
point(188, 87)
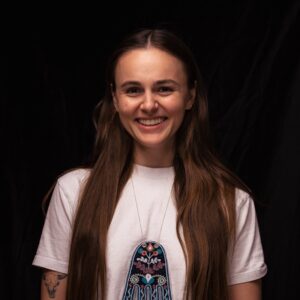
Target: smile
point(151, 122)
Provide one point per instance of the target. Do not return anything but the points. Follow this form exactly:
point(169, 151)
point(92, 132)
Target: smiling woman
point(156, 215)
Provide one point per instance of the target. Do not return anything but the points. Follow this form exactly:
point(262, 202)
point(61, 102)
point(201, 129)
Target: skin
point(152, 84)
point(246, 291)
point(151, 87)
point(53, 285)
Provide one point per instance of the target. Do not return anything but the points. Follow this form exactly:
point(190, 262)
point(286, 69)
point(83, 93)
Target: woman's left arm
point(246, 291)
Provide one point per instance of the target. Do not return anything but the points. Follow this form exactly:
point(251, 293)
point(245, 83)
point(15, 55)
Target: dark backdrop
point(249, 55)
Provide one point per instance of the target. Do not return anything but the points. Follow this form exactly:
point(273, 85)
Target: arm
point(53, 285)
point(245, 291)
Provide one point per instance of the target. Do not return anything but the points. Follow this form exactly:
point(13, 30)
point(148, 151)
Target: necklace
point(148, 275)
point(138, 212)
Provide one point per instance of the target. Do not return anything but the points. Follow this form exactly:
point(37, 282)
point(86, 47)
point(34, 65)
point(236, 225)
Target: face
point(151, 96)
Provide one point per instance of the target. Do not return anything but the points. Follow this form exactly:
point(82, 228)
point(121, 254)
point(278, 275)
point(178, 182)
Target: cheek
point(177, 110)
point(177, 114)
point(126, 114)
point(126, 109)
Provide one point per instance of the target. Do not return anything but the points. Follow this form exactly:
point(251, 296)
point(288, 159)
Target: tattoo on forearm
point(51, 281)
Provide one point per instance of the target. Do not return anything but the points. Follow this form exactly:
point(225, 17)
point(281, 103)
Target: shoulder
point(245, 209)
point(242, 199)
point(66, 194)
point(73, 178)
point(246, 219)
point(71, 183)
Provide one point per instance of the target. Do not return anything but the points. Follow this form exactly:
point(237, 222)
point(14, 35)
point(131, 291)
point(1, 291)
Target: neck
point(153, 157)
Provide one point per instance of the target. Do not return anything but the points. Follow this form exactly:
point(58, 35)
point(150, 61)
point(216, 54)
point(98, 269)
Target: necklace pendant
point(148, 276)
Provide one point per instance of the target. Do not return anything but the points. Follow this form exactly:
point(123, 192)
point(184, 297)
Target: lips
point(151, 122)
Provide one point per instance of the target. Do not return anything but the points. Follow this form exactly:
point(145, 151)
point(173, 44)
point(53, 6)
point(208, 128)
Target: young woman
point(156, 215)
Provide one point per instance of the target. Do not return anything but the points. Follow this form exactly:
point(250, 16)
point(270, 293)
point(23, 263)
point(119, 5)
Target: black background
point(53, 70)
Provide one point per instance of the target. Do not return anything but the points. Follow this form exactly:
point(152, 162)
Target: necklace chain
point(137, 208)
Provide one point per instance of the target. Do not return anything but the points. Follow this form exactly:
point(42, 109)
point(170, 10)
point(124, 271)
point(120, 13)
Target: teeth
point(151, 122)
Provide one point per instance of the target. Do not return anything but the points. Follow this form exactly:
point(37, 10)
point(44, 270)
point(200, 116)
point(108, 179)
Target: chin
point(153, 144)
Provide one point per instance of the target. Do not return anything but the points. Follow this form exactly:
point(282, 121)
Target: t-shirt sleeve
point(246, 261)
point(54, 244)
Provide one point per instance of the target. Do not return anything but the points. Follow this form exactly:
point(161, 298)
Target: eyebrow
point(126, 83)
point(164, 81)
point(167, 81)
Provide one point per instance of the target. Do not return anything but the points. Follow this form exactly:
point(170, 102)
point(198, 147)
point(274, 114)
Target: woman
point(156, 216)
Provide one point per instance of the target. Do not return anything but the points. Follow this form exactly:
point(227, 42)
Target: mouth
point(151, 122)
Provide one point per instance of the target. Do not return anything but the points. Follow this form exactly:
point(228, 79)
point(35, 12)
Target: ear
point(114, 97)
point(191, 98)
point(115, 101)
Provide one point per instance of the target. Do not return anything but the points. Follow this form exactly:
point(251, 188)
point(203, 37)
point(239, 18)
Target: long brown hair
point(204, 188)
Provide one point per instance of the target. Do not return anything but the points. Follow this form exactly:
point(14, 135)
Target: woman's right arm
point(53, 285)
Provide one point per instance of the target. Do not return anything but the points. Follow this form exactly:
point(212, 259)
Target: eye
point(132, 91)
point(165, 90)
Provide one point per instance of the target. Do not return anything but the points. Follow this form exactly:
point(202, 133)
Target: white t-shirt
point(152, 188)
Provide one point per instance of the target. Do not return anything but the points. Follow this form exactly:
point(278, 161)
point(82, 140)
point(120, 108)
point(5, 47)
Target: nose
point(149, 104)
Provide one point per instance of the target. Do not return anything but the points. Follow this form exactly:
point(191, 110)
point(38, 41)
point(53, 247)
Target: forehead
point(149, 64)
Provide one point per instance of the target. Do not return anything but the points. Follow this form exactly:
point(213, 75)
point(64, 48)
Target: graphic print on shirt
point(148, 276)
